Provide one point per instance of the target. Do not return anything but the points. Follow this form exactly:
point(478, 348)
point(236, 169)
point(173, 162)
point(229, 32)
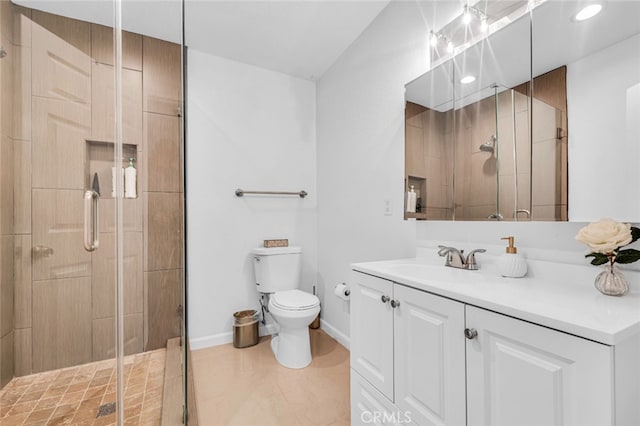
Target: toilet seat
point(294, 300)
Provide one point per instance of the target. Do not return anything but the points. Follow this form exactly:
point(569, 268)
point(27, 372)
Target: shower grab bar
point(242, 192)
point(91, 220)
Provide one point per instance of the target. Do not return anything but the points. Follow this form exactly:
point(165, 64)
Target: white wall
point(361, 152)
point(603, 98)
point(254, 129)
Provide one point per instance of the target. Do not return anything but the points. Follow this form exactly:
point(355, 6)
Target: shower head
point(486, 147)
point(3, 52)
point(490, 145)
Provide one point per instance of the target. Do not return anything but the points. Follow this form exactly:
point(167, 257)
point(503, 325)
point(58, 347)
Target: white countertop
point(559, 296)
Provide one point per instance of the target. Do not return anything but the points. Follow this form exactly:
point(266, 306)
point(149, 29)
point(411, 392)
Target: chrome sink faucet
point(455, 258)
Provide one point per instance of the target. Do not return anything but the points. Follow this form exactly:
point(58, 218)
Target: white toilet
point(278, 273)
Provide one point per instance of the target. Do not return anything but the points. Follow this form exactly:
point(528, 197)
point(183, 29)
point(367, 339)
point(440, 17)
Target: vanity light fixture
point(588, 12)
point(467, 79)
point(433, 39)
point(436, 39)
point(484, 24)
point(466, 15)
point(450, 47)
point(471, 12)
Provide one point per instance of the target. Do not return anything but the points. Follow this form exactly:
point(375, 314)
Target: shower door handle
point(91, 220)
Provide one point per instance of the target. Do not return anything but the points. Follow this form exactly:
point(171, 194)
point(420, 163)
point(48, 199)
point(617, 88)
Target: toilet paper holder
point(342, 291)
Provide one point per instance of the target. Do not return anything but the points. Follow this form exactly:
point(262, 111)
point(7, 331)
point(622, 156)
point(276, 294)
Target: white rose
point(605, 236)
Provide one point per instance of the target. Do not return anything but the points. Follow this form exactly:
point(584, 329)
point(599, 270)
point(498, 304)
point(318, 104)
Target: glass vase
point(612, 282)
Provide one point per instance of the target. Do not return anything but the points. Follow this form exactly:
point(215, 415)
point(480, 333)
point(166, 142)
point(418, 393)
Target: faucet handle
point(454, 257)
point(471, 259)
point(444, 250)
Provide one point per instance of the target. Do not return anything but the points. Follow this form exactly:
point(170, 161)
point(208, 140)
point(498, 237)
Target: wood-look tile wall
point(61, 95)
point(162, 191)
point(428, 156)
point(7, 224)
point(104, 259)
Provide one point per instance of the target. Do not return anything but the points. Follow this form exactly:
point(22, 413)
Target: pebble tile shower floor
point(75, 395)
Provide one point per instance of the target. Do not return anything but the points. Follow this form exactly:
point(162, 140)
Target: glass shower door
point(92, 257)
point(58, 158)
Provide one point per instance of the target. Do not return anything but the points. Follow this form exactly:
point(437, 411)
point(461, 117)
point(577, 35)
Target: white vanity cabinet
point(437, 361)
point(372, 322)
point(520, 373)
point(409, 346)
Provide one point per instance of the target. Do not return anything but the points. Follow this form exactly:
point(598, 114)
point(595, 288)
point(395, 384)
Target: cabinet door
point(370, 407)
point(372, 331)
point(519, 373)
point(429, 357)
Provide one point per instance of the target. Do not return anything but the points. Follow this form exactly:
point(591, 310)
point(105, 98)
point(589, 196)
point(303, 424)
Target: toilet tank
point(277, 268)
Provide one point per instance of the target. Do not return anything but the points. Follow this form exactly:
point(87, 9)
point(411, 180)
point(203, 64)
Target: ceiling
point(164, 22)
point(299, 38)
point(302, 38)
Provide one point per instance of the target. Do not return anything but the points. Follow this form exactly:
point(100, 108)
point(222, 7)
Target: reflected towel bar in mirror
point(242, 192)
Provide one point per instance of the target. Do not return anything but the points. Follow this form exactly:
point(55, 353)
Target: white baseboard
point(224, 338)
point(340, 337)
point(209, 341)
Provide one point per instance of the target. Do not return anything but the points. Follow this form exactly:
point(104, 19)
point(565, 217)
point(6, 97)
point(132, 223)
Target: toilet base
point(292, 347)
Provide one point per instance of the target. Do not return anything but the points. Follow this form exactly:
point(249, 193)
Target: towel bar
point(242, 192)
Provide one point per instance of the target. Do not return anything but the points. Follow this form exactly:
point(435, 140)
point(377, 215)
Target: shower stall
point(92, 275)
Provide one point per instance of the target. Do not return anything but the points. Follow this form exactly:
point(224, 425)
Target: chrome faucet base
point(455, 258)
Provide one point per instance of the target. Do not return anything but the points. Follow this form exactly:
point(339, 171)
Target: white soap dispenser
point(130, 180)
point(411, 200)
point(511, 264)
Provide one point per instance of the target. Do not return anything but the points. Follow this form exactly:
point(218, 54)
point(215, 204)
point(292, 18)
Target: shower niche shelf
point(420, 187)
point(99, 159)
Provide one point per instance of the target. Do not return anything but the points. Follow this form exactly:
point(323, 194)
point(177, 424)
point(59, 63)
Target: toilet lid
point(294, 300)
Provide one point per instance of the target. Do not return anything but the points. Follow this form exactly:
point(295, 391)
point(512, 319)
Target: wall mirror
point(486, 141)
point(602, 59)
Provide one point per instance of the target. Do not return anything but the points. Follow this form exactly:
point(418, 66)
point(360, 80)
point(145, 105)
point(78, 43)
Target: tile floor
point(248, 387)
point(72, 396)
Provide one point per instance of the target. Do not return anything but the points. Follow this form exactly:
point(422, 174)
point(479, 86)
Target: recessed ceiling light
point(467, 79)
point(588, 12)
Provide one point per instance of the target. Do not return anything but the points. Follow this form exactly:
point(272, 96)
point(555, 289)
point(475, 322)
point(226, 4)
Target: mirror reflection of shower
point(492, 146)
point(474, 154)
point(490, 113)
point(516, 210)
